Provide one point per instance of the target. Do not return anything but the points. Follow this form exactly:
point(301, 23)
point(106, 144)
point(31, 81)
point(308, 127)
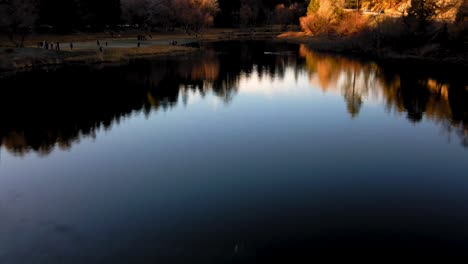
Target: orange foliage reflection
point(419, 98)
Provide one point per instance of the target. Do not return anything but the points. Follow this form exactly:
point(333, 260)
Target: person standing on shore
point(71, 45)
point(57, 46)
point(98, 43)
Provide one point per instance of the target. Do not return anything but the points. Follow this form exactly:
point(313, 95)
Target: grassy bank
point(122, 54)
point(116, 47)
point(28, 58)
point(122, 47)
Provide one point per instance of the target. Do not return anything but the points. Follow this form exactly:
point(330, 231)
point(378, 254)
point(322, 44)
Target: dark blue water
point(244, 152)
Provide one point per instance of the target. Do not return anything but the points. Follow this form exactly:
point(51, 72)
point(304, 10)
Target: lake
point(242, 152)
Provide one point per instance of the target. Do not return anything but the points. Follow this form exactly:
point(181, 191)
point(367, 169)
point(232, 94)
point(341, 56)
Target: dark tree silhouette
point(17, 19)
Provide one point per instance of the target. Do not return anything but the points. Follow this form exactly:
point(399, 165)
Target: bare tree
point(247, 15)
point(17, 19)
point(149, 13)
point(162, 13)
point(135, 11)
point(196, 15)
point(284, 15)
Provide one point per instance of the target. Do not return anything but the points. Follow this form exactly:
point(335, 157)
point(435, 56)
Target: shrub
point(351, 23)
point(315, 24)
point(328, 14)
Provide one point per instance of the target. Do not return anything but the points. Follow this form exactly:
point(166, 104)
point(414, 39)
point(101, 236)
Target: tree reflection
point(40, 112)
point(409, 91)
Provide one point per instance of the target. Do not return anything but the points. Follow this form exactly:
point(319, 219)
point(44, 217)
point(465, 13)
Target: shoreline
point(342, 46)
point(25, 62)
point(122, 48)
point(29, 58)
point(125, 49)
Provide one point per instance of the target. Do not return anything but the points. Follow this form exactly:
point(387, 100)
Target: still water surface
point(241, 152)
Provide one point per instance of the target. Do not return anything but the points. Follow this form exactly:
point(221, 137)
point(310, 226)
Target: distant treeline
point(64, 15)
point(96, 15)
point(260, 12)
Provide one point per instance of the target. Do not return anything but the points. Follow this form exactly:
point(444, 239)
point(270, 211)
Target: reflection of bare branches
point(460, 130)
point(463, 133)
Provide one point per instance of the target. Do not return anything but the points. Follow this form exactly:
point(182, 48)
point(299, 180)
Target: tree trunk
point(11, 37)
point(23, 36)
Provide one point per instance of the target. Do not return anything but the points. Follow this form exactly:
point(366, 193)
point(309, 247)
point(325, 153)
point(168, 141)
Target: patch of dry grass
point(11, 58)
point(125, 54)
point(22, 58)
point(208, 35)
point(19, 58)
point(32, 40)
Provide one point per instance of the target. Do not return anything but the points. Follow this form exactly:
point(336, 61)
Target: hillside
point(449, 9)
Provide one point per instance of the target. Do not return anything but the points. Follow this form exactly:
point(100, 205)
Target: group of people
point(173, 43)
point(98, 43)
point(51, 45)
point(143, 37)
